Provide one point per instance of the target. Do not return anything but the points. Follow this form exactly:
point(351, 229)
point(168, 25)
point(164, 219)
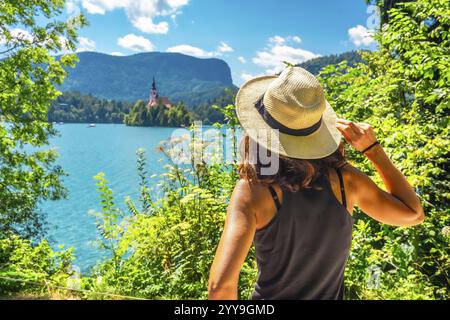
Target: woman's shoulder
point(352, 173)
point(256, 193)
point(252, 188)
point(354, 178)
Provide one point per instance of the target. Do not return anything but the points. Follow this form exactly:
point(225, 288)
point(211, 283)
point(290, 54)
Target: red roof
point(163, 100)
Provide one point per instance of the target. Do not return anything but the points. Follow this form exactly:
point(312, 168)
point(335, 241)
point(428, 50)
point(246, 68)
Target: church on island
point(156, 100)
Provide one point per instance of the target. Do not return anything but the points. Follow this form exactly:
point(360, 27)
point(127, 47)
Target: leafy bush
point(33, 270)
point(403, 92)
point(29, 75)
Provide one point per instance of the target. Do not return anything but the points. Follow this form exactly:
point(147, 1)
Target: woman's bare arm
point(399, 206)
point(237, 237)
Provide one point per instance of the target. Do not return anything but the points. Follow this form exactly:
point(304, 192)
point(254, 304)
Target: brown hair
point(293, 174)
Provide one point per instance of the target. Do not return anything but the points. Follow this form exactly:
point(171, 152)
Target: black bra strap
point(275, 197)
point(341, 182)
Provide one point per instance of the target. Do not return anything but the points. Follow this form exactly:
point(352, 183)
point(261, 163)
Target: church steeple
point(154, 93)
point(155, 99)
point(154, 84)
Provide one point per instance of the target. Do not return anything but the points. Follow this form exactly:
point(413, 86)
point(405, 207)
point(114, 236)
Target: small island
point(158, 112)
point(75, 107)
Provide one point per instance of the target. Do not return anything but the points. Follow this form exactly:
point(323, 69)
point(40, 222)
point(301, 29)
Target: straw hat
point(289, 115)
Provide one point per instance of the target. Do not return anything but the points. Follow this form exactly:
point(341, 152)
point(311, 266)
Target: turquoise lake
point(84, 152)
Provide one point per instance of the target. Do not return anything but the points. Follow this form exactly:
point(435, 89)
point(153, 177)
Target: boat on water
point(92, 125)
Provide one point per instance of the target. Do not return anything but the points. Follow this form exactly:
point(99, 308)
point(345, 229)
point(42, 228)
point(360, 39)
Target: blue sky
point(252, 36)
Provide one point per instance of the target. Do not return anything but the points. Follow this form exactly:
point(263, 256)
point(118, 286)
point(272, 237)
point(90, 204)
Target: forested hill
point(180, 77)
point(315, 65)
point(74, 107)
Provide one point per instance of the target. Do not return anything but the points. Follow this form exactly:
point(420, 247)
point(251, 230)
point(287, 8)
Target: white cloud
point(224, 47)
point(141, 13)
point(177, 3)
point(247, 76)
point(21, 34)
point(85, 44)
point(98, 7)
point(296, 39)
point(361, 36)
point(117, 53)
point(278, 40)
point(135, 43)
point(71, 6)
point(242, 59)
point(145, 24)
point(191, 51)
point(18, 35)
point(278, 51)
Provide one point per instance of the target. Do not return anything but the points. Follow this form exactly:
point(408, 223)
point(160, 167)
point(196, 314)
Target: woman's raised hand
point(399, 204)
point(359, 135)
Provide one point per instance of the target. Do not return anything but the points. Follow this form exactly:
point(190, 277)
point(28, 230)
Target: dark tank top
point(301, 253)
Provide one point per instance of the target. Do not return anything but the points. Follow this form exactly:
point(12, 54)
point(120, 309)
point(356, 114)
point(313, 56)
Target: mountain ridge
point(316, 64)
point(128, 78)
point(195, 81)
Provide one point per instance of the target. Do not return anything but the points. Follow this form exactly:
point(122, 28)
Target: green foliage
point(74, 107)
point(28, 76)
point(385, 6)
point(158, 116)
point(23, 266)
point(145, 198)
point(110, 223)
point(211, 112)
point(403, 92)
